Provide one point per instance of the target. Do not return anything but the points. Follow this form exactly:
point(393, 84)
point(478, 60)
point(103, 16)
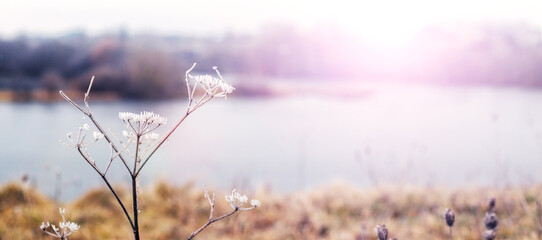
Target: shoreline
point(332, 212)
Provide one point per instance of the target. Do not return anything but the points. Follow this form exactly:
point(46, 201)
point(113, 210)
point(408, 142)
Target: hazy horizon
point(386, 22)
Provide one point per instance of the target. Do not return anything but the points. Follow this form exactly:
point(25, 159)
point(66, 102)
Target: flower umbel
point(449, 216)
point(255, 203)
point(143, 122)
point(213, 86)
point(65, 229)
point(237, 201)
point(381, 232)
point(80, 141)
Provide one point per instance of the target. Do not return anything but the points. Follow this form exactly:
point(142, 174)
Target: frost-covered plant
point(381, 232)
point(140, 136)
point(237, 202)
point(449, 217)
point(64, 229)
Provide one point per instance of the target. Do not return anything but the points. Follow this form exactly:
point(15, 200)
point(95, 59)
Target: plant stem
point(450, 233)
point(104, 178)
point(134, 198)
point(119, 201)
point(136, 171)
point(108, 139)
point(135, 191)
point(210, 222)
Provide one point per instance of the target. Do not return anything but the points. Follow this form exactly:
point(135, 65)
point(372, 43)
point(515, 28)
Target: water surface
point(422, 135)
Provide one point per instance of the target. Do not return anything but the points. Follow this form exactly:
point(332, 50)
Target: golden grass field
point(336, 211)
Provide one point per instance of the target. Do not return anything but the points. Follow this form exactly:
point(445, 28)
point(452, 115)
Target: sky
point(378, 19)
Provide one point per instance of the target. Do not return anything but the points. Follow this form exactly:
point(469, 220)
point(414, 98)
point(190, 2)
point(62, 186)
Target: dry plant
point(491, 221)
point(140, 133)
point(449, 217)
point(381, 232)
point(64, 229)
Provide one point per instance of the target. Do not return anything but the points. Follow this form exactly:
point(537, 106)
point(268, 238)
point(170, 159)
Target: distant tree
point(48, 56)
point(11, 53)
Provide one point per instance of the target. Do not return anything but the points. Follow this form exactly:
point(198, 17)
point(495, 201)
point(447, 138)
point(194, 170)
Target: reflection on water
point(415, 134)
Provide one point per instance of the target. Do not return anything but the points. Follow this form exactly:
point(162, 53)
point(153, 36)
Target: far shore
point(42, 95)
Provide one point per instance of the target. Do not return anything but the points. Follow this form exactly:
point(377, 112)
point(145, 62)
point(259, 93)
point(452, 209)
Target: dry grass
point(333, 212)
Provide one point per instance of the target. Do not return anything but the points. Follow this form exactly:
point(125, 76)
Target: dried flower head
point(97, 135)
point(381, 232)
point(142, 123)
point(143, 118)
point(489, 234)
point(237, 201)
point(80, 142)
point(491, 221)
point(449, 216)
point(491, 204)
point(64, 229)
point(213, 86)
point(255, 203)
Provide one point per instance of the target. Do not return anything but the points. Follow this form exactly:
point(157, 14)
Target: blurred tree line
point(150, 66)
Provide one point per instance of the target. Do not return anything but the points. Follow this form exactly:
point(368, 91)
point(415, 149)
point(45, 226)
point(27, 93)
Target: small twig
point(200, 104)
point(539, 218)
point(89, 114)
point(89, 160)
point(211, 220)
point(186, 78)
point(110, 188)
point(71, 102)
point(160, 144)
point(113, 156)
point(88, 93)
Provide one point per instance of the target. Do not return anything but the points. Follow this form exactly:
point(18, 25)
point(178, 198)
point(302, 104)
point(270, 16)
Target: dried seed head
point(449, 217)
point(491, 221)
point(489, 234)
point(491, 204)
point(382, 232)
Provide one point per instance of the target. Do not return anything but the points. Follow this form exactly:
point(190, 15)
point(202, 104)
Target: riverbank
point(41, 95)
point(336, 211)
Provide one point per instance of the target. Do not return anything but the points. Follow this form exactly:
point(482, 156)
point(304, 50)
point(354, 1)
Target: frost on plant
point(236, 201)
point(139, 143)
point(64, 229)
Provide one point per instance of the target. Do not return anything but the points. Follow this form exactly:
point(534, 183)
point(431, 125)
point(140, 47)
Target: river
point(407, 134)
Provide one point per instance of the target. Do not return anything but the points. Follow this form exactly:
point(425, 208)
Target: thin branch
point(119, 201)
point(136, 161)
point(193, 234)
point(88, 93)
point(71, 102)
point(200, 100)
point(191, 96)
point(110, 188)
point(135, 227)
point(200, 104)
point(89, 114)
point(160, 143)
point(109, 140)
point(89, 161)
point(113, 156)
point(188, 84)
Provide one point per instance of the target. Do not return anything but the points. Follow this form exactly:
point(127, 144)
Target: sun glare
point(392, 23)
